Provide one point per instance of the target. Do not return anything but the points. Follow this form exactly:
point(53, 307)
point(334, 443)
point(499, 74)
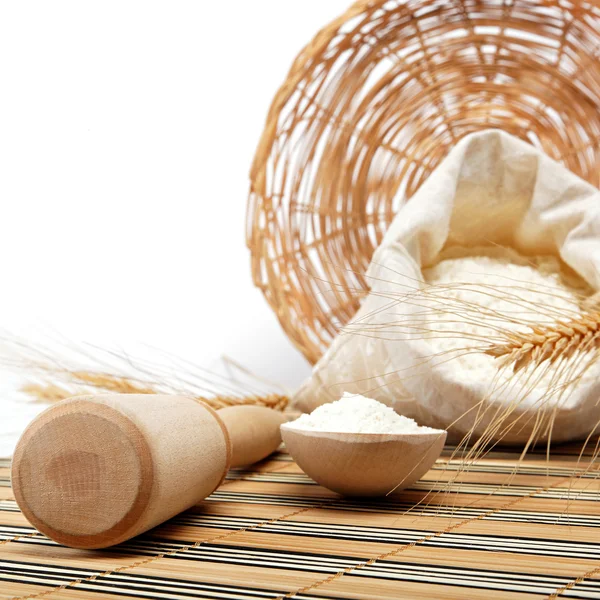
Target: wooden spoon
point(363, 464)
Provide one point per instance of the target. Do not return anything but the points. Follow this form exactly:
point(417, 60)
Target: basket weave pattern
point(374, 103)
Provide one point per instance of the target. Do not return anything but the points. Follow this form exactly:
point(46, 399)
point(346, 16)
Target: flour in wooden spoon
point(357, 414)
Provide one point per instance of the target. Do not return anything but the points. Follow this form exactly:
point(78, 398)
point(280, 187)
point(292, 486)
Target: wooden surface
point(270, 532)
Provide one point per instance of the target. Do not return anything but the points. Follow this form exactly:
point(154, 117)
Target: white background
point(127, 130)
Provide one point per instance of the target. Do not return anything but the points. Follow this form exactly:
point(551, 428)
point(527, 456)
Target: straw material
point(271, 532)
point(49, 393)
point(374, 103)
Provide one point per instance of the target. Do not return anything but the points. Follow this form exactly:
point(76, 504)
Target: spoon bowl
point(363, 464)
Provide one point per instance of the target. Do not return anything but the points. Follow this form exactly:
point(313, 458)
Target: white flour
point(357, 414)
point(511, 295)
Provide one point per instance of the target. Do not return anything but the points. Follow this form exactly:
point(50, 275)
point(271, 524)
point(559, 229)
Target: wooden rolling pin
point(93, 471)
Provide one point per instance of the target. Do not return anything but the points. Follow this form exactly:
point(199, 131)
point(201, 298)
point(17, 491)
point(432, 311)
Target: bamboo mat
point(271, 532)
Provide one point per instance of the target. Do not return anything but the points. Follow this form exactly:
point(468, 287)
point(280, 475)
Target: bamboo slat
point(270, 532)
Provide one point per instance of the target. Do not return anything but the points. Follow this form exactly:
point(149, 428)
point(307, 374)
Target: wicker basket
point(374, 103)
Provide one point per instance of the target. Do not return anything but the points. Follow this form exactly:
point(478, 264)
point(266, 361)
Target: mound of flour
point(357, 414)
point(483, 296)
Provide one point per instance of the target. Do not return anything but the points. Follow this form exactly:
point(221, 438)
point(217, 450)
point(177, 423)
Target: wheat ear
point(561, 339)
point(88, 382)
point(63, 370)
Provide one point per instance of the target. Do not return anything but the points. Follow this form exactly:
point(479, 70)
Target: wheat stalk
point(561, 339)
point(62, 371)
point(84, 382)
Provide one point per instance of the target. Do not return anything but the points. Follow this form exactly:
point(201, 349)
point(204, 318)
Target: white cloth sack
point(492, 189)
